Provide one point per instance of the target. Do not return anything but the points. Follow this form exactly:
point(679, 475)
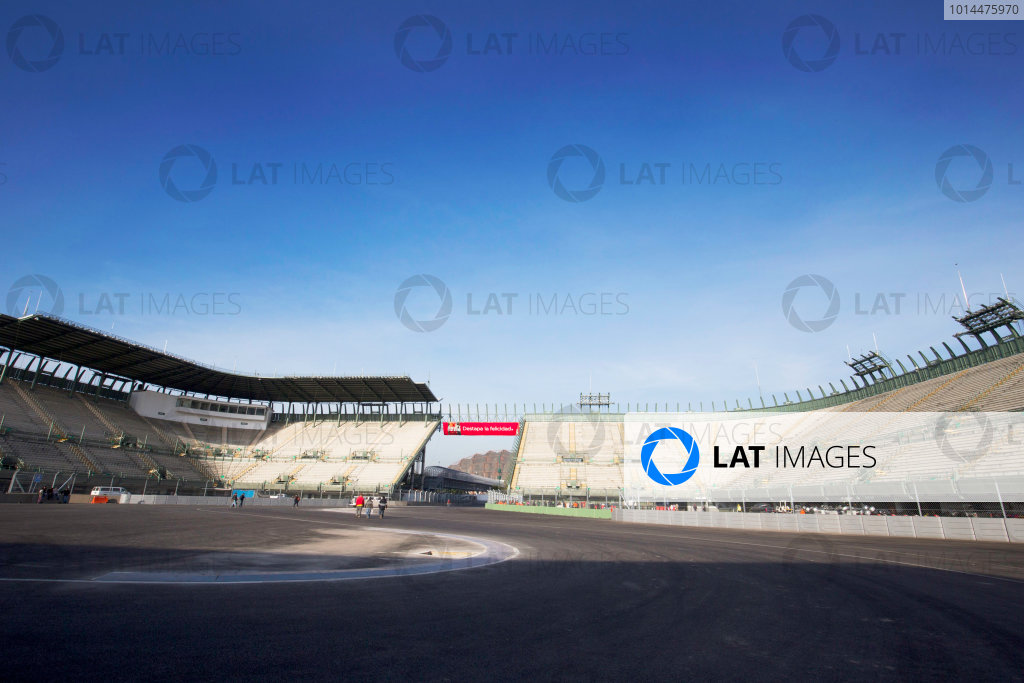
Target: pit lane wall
point(953, 528)
point(600, 513)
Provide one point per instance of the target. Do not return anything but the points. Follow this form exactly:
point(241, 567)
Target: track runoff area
point(202, 592)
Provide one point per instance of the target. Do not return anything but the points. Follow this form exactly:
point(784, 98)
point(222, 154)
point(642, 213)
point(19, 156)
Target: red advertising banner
point(481, 428)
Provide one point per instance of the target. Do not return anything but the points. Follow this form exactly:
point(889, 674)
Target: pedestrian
point(66, 497)
point(382, 505)
point(42, 492)
point(296, 501)
point(234, 500)
point(241, 498)
point(369, 507)
point(360, 501)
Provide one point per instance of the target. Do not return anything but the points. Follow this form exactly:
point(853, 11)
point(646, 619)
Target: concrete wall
point(959, 528)
point(226, 501)
point(562, 512)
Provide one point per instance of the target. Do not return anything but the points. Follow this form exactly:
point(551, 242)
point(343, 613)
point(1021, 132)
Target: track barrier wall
point(953, 528)
point(225, 501)
point(600, 513)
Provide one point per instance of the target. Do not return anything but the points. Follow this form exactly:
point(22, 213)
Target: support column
point(39, 363)
point(10, 357)
point(78, 377)
point(423, 466)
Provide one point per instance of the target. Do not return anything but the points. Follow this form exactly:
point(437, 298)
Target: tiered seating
point(366, 456)
point(71, 412)
point(558, 451)
point(15, 413)
point(39, 455)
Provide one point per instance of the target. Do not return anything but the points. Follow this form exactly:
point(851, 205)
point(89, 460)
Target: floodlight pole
point(967, 303)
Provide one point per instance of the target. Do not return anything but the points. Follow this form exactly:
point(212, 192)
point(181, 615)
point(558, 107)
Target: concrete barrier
point(928, 527)
point(1015, 530)
point(958, 528)
point(953, 528)
point(604, 513)
point(225, 501)
point(990, 530)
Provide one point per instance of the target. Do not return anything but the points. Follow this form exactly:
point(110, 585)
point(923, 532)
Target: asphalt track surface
point(583, 599)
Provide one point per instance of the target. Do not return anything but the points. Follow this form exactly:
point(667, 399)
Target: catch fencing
point(953, 528)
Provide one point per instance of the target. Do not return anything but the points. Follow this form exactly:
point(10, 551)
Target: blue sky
point(460, 155)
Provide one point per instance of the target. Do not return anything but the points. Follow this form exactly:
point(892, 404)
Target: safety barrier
point(600, 513)
point(953, 528)
point(225, 501)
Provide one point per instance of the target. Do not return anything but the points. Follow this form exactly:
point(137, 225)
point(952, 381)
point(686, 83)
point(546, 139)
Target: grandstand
point(82, 403)
point(582, 453)
point(78, 403)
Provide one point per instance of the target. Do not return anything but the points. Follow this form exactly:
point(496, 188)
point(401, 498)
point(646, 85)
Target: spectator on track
point(234, 500)
point(296, 501)
point(369, 507)
point(360, 501)
point(382, 505)
point(241, 498)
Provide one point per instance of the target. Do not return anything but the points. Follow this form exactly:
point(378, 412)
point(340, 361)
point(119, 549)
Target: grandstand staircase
point(110, 426)
point(885, 400)
point(302, 430)
point(977, 399)
point(191, 435)
point(201, 467)
point(52, 423)
point(941, 387)
point(523, 426)
point(249, 468)
point(194, 463)
point(344, 477)
point(160, 434)
point(147, 462)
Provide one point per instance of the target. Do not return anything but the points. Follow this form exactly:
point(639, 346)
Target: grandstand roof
point(458, 475)
point(69, 342)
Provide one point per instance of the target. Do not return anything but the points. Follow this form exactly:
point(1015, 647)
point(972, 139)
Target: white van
point(117, 493)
